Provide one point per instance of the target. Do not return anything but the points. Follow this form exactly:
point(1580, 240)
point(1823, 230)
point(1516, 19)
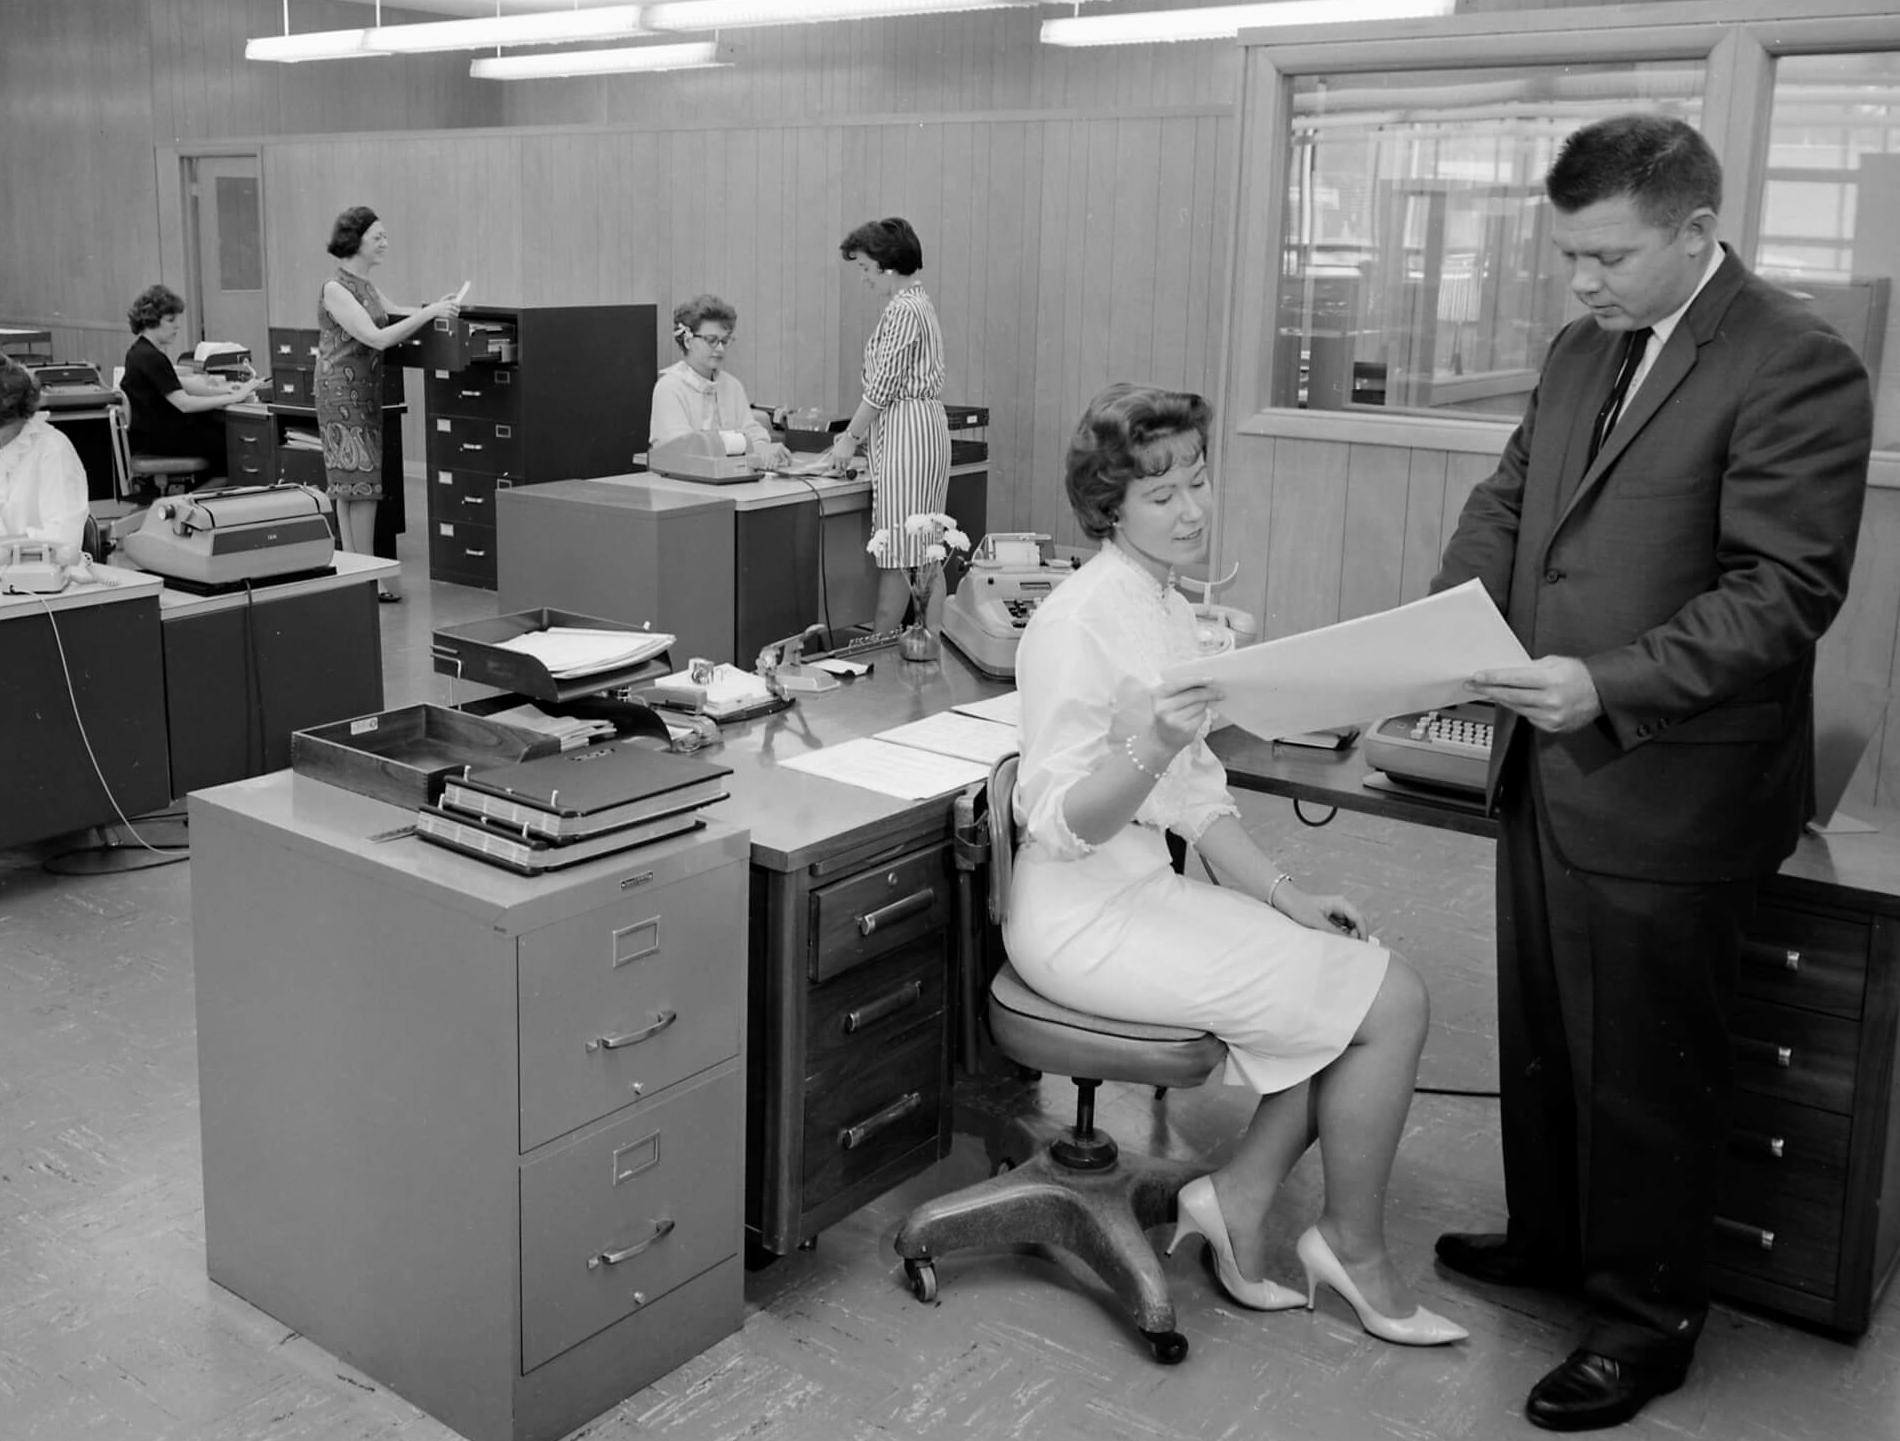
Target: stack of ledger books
point(559, 810)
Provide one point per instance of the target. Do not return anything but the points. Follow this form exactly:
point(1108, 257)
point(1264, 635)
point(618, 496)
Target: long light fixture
point(695, 55)
point(543, 27)
point(1223, 22)
point(738, 14)
point(310, 45)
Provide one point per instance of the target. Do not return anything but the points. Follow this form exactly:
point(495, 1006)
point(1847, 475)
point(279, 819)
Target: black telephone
point(1449, 748)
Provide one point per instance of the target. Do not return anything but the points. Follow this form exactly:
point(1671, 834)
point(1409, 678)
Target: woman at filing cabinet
point(42, 481)
point(169, 413)
point(353, 331)
point(1324, 1025)
point(697, 392)
point(900, 418)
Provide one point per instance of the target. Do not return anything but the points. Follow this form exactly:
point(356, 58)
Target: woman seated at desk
point(169, 413)
point(1322, 1024)
point(697, 392)
point(42, 482)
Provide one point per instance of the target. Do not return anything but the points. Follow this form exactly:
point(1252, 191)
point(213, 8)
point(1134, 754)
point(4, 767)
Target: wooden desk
point(1807, 1225)
point(416, 1151)
point(849, 1035)
point(103, 639)
point(244, 670)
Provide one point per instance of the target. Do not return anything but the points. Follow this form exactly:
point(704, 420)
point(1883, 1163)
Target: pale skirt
point(1118, 934)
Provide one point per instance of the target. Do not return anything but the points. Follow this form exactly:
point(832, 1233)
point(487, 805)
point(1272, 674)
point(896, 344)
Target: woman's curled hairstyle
point(155, 304)
point(346, 236)
point(19, 391)
point(890, 243)
point(1114, 445)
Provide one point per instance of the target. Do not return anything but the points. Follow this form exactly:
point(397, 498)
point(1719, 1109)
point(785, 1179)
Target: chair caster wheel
point(1170, 1347)
point(923, 1279)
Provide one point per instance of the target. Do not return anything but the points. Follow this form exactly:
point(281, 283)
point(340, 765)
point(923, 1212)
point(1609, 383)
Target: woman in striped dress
point(901, 414)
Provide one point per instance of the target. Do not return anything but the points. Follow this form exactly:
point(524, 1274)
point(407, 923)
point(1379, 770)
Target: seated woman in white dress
point(697, 392)
point(1323, 1024)
point(42, 482)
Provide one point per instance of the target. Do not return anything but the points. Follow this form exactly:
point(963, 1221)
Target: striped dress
point(909, 452)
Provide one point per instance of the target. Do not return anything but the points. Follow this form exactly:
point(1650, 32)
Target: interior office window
point(240, 237)
point(1830, 223)
point(1417, 271)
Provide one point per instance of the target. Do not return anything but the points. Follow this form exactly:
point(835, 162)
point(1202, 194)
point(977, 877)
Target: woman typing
point(169, 413)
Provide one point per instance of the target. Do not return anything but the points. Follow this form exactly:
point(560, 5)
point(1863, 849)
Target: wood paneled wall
point(1062, 253)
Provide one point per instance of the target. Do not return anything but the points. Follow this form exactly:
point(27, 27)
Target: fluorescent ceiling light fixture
point(700, 55)
point(735, 14)
point(545, 27)
point(1224, 22)
point(311, 45)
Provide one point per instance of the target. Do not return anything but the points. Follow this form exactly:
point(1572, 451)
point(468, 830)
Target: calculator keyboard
point(1454, 733)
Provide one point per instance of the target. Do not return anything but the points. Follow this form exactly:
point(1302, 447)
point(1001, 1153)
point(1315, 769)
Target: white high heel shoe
point(1421, 1328)
point(1200, 1216)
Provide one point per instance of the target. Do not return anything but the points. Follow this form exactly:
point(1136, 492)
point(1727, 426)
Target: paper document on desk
point(1413, 657)
point(950, 734)
point(569, 651)
point(902, 771)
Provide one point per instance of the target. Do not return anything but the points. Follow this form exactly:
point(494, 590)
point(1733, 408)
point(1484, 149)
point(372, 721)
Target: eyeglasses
point(715, 342)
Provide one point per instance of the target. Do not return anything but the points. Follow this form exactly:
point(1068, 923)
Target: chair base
point(1101, 1216)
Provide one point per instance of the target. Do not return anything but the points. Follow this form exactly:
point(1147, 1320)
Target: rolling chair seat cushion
point(1036, 1032)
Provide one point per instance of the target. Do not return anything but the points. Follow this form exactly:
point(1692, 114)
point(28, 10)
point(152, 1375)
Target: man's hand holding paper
point(1417, 656)
point(1554, 693)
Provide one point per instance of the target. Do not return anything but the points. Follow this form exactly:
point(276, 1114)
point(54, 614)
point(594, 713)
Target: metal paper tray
point(406, 755)
point(472, 652)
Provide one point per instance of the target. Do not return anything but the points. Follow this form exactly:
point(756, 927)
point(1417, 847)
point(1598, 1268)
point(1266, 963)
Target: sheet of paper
point(902, 771)
point(950, 734)
point(1413, 657)
point(1005, 709)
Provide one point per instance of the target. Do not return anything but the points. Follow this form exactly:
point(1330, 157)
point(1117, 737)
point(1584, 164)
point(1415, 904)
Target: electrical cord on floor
point(1454, 1091)
point(161, 855)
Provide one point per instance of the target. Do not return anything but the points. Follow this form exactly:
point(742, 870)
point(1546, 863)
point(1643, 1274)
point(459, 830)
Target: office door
point(227, 209)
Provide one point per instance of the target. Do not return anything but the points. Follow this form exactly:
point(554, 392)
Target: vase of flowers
point(942, 542)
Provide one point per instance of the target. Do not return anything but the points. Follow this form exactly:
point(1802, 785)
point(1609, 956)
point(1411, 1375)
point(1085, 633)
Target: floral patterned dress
point(349, 389)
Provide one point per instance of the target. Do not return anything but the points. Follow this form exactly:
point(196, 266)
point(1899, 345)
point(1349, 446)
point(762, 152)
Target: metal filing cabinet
point(520, 396)
point(476, 1134)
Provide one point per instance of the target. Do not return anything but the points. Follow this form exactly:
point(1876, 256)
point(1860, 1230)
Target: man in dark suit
point(1669, 532)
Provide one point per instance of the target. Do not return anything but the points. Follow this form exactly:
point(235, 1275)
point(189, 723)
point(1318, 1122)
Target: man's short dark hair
point(890, 242)
point(1115, 444)
point(156, 304)
point(1661, 163)
point(346, 235)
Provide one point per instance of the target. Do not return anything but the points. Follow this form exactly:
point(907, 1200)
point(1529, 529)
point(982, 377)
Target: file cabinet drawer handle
point(1791, 960)
point(474, 500)
point(1739, 1231)
point(1754, 1143)
point(890, 915)
point(661, 1020)
point(908, 994)
point(851, 1137)
point(662, 1228)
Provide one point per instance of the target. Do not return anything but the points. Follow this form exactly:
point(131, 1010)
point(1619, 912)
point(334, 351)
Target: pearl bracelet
point(1278, 881)
point(1128, 748)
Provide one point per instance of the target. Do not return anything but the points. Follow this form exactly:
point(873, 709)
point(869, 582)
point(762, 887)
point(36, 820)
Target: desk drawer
point(249, 435)
point(251, 469)
point(865, 1111)
point(1795, 1055)
point(872, 1007)
point(462, 553)
point(627, 999)
point(485, 392)
point(1803, 958)
point(1783, 1195)
point(879, 909)
point(463, 495)
point(663, 1184)
point(457, 442)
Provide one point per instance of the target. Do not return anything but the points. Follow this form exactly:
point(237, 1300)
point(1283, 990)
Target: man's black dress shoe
point(1490, 1256)
point(1588, 1392)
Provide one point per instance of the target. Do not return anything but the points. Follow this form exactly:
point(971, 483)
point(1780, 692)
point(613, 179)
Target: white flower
point(935, 551)
point(956, 539)
point(878, 542)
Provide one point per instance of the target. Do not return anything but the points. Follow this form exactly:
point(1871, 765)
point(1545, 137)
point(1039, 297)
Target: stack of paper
point(569, 651)
point(929, 757)
point(298, 437)
point(571, 730)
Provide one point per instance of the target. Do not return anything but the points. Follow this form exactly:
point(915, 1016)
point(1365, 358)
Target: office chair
point(1075, 1190)
point(137, 474)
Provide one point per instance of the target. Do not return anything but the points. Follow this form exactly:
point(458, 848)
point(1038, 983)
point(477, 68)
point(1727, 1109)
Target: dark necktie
point(1634, 344)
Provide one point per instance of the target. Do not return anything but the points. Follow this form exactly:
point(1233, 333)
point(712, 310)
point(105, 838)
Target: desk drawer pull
point(477, 554)
point(1738, 1231)
point(661, 1020)
point(662, 1228)
point(908, 994)
point(1782, 1056)
point(913, 904)
point(1791, 960)
point(1754, 1143)
point(851, 1137)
